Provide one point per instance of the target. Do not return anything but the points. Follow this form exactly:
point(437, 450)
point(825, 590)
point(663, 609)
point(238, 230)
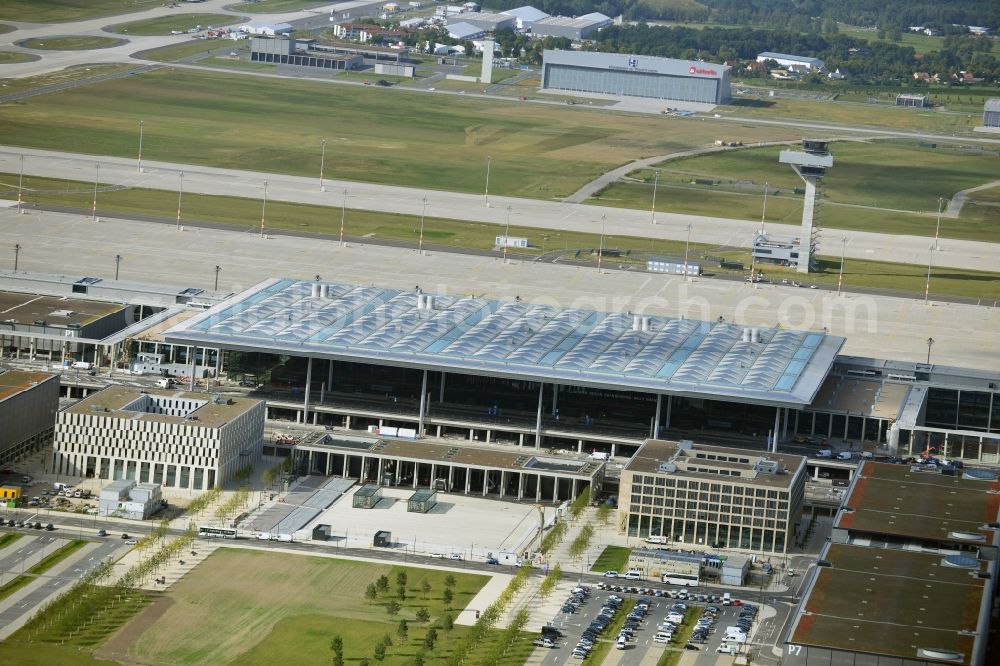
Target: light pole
point(180, 195)
point(656, 180)
point(20, 183)
point(17, 252)
point(423, 213)
point(140, 145)
point(600, 250)
point(840, 278)
point(343, 214)
point(217, 269)
point(930, 343)
point(263, 210)
point(322, 163)
point(763, 212)
point(687, 245)
point(937, 228)
point(506, 235)
point(118, 263)
point(97, 177)
point(927, 286)
point(489, 161)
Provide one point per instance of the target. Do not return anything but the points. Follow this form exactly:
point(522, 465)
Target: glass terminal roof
point(518, 339)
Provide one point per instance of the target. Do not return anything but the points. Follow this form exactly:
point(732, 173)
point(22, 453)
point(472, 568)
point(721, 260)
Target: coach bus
point(676, 578)
point(217, 532)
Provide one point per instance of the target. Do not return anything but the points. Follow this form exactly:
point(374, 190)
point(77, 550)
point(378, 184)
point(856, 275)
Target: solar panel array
point(543, 341)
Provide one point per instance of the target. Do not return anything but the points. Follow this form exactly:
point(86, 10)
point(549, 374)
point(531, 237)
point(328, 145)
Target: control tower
point(811, 164)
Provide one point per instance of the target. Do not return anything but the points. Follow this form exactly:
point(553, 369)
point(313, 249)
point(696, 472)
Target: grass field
point(245, 213)
point(11, 57)
point(393, 136)
point(887, 186)
point(56, 11)
point(612, 558)
point(164, 25)
point(4, 28)
point(9, 538)
point(188, 49)
point(286, 609)
point(62, 76)
point(71, 43)
point(269, 6)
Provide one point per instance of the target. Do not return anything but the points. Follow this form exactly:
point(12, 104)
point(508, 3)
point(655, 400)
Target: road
point(526, 212)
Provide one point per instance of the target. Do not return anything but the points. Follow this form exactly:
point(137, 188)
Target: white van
point(634, 574)
point(727, 599)
point(166, 382)
point(845, 455)
point(824, 453)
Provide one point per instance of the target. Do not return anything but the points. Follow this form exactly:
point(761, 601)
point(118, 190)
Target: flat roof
point(913, 501)
point(111, 402)
point(653, 452)
point(520, 340)
point(787, 56)
point(633, 62)
point(13, 382)
point(527, 459)
point(26, 309)
point(567, 22)
point(891, 602)
point(868, 397)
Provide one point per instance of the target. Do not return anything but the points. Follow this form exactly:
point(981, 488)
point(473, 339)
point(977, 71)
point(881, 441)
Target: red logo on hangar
point(699, 70)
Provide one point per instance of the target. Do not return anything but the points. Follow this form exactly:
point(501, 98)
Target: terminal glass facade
point(635, 84)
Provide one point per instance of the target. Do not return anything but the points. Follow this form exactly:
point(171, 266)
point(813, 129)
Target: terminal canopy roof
point(517, 339)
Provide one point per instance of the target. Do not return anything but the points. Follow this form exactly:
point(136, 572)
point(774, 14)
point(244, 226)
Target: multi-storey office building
point(28, 405)
point(172, 438)
point(712, 496)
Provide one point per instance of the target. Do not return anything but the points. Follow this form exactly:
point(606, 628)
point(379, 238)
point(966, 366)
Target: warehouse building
point(484, 21)
point(712, 496)
point(920, 544)
point(636, 76)
point(283, 51)
point(170, 438)
point(526, 16)
point(795, 62)
point(913, 101)
point(576, 29)
point(991, 113)
point(28, 405)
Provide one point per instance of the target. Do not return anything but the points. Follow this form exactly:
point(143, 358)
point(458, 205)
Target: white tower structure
point(486, 76)
point(810, 164)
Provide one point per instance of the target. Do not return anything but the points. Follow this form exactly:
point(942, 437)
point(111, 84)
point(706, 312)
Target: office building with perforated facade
point(174, 439)
point(28, 405)
point(712, 496)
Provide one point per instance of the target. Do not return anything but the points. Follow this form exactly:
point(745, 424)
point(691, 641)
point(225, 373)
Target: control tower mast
point(810, 164)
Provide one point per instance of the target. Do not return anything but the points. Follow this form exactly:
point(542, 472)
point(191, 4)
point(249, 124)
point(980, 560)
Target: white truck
point(82, 365)
point(166, 382)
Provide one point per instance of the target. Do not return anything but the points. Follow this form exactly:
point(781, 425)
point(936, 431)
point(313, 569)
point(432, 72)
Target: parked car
point(614, 574)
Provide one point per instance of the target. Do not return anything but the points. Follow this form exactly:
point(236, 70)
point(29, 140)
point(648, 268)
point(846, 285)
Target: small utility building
point(367, 496)
point(422, 501)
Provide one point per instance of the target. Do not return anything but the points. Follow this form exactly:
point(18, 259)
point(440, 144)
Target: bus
point(674, 578)
point(217, 532)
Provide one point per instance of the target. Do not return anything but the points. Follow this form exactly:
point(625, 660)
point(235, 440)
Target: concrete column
point(329, 374)
point(310, 462)
point(486, 478)
point(613, 447)
point(538, 489)
point(670, 408)
point(797, 412)
point(812, 426)
point(784, 426)
point(579, 446)
point(315, 418)
point(193, 352)
point(218, 364)
point(329, 462)
point(423, 406)
point(305, 403)
point(829, 427)
point(378, 471)
point(347, 422)
point(416, 470)
point(538, 418)
point(468, 480)
point(656, 419)
point(31, 349)
point(472, 434)
point(777, 428)
point(816, 473)
point(555, 399)
point(346, 457)
point(555, 489)
point(439, 432)
point(520, 486)
point(433, 474)
point(441, 389)
point(503, 482)
point(847, 424)
point(322, 392)
point(520, 439)
point(573, 490)
point(864, 424)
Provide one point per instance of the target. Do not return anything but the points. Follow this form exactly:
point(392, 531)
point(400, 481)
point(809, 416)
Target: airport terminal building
point(636, 76)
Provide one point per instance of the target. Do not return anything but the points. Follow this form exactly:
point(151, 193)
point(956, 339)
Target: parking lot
point(648, 639)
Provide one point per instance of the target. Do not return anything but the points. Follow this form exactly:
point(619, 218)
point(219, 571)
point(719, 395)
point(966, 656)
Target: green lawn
point(71, 43)
point(55, 11)
point(188, 49)
point(888, 186)
point(393, 136)
point(269, 6)
point(286, 609)
point(612, 558)
point(68, 74)
point(236, 63)
point(164, 25)
point(245, 213)
point(4, 28)
point(11, 57)
point(9, 538)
